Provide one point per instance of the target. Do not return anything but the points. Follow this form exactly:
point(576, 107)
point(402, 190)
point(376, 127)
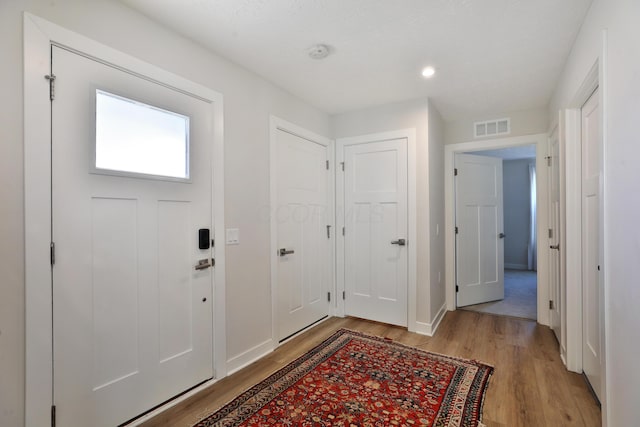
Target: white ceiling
point(491, 56)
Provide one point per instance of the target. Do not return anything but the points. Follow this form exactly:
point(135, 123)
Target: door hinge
point(456, 229)
point(455, 172)
point(344, 295)
point(328, 231)
point(343, 231)
point(53, 415)
point(329, 296)
point(342, 165)
point(457, 289)
point(52, 85)
point(550, 304)
point(213, 262)
point(52, 253)
point(550, 233)
point(327, 164)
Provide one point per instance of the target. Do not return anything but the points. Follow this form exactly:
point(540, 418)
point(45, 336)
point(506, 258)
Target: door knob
point(555, 246)
point(399, 242)
point(501, 235)
point(284, 251)
point(203, 264)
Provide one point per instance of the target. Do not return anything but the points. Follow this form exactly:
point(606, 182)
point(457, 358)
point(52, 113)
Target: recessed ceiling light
point(428, 72)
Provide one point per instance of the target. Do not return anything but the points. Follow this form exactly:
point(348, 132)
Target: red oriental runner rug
point(353, 379)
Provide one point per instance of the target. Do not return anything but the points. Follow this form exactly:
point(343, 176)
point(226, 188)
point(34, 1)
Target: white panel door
point(591, 291)
point(554, 235)
point(304, 264)
point(479, 222)
point(375, 192)
point(132, 317)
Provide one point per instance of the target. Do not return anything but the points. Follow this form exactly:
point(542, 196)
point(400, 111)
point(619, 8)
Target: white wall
point(622, 188)
point(517, 199)
point(249, 100)
point(436, 214)
point(527, 122)
point(411, 114)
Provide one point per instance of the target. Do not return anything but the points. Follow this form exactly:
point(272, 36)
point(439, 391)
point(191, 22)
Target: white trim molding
point(275, 124)
point(39, 36)
point(249, 356)
point(540, 141)
point(429, 329)
point(410, 136)
point(594, 79)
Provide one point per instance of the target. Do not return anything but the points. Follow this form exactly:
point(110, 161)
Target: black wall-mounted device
point(204, 242)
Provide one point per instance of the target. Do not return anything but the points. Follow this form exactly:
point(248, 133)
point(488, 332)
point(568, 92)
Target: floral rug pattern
point(353, 379)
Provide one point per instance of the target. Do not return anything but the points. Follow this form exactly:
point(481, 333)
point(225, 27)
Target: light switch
point(233, 236)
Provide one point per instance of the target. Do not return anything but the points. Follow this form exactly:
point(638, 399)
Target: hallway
point(520, 296)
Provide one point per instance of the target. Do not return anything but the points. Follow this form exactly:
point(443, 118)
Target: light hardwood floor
point(529, 387)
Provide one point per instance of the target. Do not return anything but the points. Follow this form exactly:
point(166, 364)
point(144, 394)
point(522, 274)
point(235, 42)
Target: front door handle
point(501, 235)
point(284, 251)
point(399, 242)
point(203, 264)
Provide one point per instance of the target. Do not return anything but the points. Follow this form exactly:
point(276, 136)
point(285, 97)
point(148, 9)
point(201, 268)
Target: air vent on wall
point(492, 128)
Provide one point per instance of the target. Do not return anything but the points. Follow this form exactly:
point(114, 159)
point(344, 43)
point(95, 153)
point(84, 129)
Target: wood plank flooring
point(530, 385)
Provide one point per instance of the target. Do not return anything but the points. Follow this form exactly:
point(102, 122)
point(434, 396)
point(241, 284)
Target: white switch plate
point(233, 236)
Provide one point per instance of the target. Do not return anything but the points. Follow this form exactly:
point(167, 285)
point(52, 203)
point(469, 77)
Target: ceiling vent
point(492, 128)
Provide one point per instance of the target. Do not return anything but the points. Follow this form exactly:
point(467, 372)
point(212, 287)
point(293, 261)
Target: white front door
point(375, 234)
point(591, 291)
point(132, 316)
point(479, 225)
point(302, 216)
point(555, 294)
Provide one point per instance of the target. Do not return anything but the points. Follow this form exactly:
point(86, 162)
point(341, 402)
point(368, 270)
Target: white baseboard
point(248, 357)
point(429, 329)
point(170, 404)
point(516, 266)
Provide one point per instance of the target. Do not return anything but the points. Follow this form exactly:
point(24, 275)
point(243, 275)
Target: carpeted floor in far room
point(520, 296)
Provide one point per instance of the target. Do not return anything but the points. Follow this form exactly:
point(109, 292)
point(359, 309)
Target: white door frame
point(39, 35)
point(572, 122)
point(540, 141)
point(275, 124)
point(561, 235)
point(573, 139)
point(410, 135)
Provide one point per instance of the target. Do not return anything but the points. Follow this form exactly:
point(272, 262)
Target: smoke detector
point(319, 51)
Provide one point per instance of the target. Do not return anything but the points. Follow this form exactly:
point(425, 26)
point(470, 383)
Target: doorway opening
point(540, 142)
point(519, 212)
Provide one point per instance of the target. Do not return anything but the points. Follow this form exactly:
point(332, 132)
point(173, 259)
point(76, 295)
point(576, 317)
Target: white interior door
point(591, 290)
point(555, 234)
point(375, 235)
point(479, 224)
point(132, 316)
point(302, 215)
